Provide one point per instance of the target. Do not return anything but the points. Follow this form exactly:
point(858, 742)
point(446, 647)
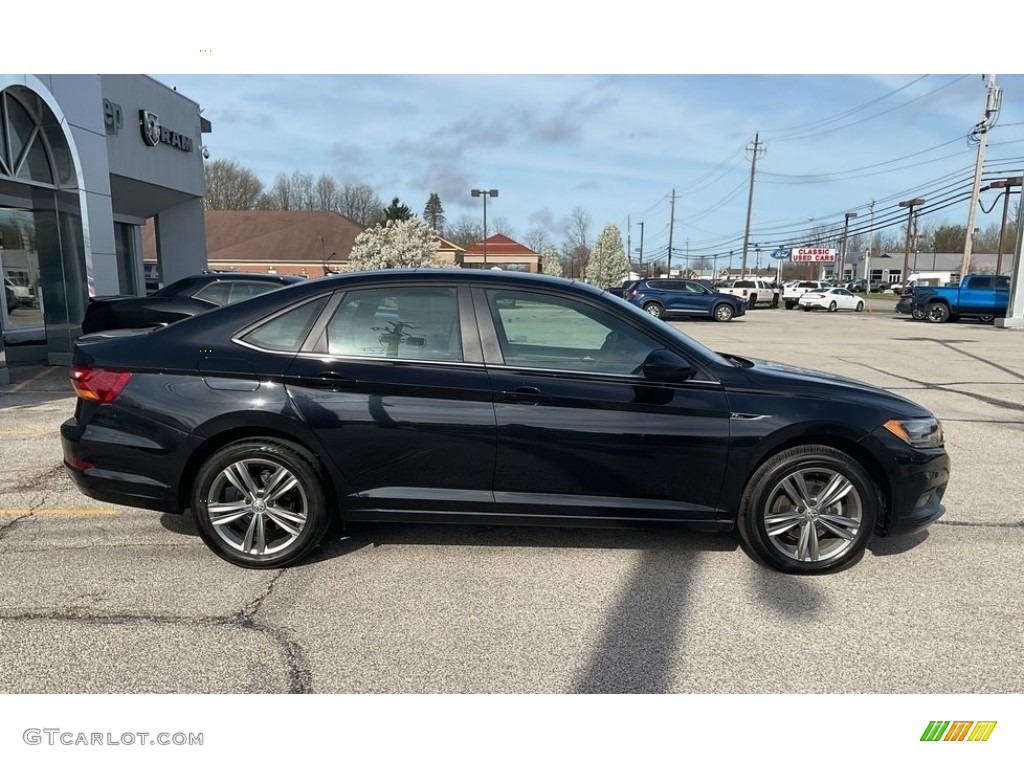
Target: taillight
point(97, 384)
point(633, 293)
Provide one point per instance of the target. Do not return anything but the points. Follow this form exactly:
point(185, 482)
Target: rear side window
point(287, 331)
point(407, 323)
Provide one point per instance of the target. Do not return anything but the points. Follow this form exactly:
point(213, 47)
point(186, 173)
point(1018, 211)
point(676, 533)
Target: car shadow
point(884, 547)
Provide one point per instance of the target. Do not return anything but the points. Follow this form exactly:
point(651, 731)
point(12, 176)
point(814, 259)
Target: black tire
point(832, 307)
point(722, 313)
point(937, 312)
point(752, 301)
point(775, 302)
point(859, 307)
point(803, 536)
point(292, 521)
point(790, 304)
point(654, 309)
point(986, 318)
point(917, 313)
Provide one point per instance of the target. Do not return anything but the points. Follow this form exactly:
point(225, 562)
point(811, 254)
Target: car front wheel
point(654, 309)
point(723, 313)
point(809, 509)
point(260, 503)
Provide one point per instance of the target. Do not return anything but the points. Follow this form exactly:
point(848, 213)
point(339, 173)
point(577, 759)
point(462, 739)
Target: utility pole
point(756, 149)
point(642, 274)
point(993, 100)
point(629, 244)
point(671, 226)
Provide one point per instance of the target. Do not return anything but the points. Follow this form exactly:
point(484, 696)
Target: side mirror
point(665, 366)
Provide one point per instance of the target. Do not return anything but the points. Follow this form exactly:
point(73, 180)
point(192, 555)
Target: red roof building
point(501, 252)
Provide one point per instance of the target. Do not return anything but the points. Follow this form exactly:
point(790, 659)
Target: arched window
point(32, 145)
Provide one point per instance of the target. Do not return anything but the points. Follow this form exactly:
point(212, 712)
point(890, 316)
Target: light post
point(842, 252)
point(1006, 184)
point(909, 205)
point(484, 193)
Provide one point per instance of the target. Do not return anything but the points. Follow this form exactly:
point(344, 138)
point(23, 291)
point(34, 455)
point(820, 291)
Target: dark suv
point(668, 297)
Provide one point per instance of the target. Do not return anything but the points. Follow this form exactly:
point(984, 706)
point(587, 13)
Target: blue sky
point(617, 145)
point(481, 114)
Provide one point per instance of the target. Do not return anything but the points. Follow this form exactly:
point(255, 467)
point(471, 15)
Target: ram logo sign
point(958, 730)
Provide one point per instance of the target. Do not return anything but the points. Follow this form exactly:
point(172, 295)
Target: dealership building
point(85, 162)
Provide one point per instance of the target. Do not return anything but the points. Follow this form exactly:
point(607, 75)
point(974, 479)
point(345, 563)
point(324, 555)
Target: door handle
point(526, 395)
point(328, 380)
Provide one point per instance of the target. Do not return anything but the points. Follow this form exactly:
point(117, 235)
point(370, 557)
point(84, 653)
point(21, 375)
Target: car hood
point(773, 375)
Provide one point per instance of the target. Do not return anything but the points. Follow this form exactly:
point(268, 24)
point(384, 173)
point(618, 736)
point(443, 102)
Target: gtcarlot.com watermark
point(56, 737)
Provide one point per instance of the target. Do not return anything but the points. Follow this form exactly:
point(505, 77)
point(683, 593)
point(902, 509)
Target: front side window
point(405, 323)
point(542, 331)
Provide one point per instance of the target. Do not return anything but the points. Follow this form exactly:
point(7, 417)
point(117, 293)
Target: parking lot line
point(59, 512)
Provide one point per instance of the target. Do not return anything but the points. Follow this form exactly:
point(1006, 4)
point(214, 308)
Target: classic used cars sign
point(816, 255)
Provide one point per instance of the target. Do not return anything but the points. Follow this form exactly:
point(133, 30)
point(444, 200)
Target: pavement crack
point(299, 675)
point(970, 524)
point(4, 530)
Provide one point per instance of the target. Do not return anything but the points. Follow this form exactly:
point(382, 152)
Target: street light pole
point(484, 193)
point(846, 231)
point(909, 205)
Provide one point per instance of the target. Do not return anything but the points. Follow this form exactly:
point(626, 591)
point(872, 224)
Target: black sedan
point(487, 397)
point(187, 297)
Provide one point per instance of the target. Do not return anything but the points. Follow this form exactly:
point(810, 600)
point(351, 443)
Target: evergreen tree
point(397, 211)
point(433, 213)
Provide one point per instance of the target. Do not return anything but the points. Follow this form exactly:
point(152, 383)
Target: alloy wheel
point(257, 506)
point(813, 515)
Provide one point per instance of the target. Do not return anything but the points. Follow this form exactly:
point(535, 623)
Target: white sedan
point(832, 299)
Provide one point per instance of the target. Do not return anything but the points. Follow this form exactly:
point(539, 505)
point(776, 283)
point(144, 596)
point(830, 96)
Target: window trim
point(239, 337)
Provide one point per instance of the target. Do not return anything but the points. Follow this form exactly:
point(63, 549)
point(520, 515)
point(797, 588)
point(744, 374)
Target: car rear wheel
point(723, 313)
point(653, 308)
point(832, 307)
point(752, 301)
point(809, 509)
point(986, 318)
point(917, 313)
point(775, 302)
point(860, 306)
point(937, 312)
point(260, 503)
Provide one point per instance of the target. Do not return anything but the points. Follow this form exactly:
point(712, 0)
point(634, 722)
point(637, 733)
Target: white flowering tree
point(608, 264)
point(550, 264)
point(409, 243)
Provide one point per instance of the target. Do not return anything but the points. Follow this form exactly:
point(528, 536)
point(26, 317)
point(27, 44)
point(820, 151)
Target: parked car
point(831, 299)
point(16, 295)
point(420, 395)
point(183, 298)
point(792, 292)
point(670, 297)
point(907, 304)
point(983, 297)
point(754, 292)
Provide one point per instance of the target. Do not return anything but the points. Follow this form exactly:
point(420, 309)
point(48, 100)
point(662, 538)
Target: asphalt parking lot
point(102, 599)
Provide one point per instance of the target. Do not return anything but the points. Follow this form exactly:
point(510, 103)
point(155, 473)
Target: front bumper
point(917, 483)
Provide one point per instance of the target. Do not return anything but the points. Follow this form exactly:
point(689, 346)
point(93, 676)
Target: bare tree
point(501, 225)
point(360, 203)
point(576, 248)
point(466, 231)
point(231, 187)
point(326, 193)
point(538, 240)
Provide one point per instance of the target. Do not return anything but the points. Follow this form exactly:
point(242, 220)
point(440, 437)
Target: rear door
point(394, 386)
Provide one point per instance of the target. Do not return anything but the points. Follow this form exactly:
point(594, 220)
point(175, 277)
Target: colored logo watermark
point(958, 730)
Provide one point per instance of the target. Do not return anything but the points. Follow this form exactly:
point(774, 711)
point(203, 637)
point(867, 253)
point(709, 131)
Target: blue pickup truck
point(979, 296)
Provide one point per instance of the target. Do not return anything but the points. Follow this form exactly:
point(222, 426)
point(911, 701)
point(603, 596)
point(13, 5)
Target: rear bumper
point(104, 468)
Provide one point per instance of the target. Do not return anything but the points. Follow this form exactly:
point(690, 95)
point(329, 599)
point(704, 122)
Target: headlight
point(920, 433)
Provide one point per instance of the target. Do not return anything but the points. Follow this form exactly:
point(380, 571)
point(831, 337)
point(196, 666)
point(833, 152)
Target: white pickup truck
point(792, 292)
point(754, 292)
